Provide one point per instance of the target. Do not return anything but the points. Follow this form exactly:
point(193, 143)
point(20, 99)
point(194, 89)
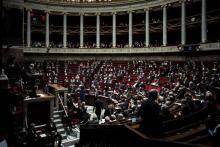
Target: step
point(70, 141)
point(61, 130)
point(57, 112)
point(56, 121)
point(76, 129)
point(59, 125)
point(69, 145)
point(57, 115)
point(64, 136)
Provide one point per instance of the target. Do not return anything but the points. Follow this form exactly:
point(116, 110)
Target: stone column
point(81, 30)
point(47, 31)
point(147, 32)
point(28, 28)
point(130, 40)
point(183, 22)
point(204, 23)
point(98, 30)
point(165, 25)
point(114, 30)
point(64, 30)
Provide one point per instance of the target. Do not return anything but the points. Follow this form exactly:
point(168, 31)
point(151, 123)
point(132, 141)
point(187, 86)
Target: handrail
point(61, 102)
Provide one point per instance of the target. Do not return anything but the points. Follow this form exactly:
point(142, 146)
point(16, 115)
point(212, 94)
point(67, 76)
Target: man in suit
point(98, 106)
point(151, 123)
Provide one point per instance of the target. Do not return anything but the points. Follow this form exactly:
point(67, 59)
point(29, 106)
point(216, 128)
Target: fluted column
point(165, 25)
point(130, 42)
point(47, 30)
point(64, 30)
point(114, 30)
point(147, 33)
point(183, 22)
point(204, 23)
point(28, 28)
point(98, 30)
point(81, 30)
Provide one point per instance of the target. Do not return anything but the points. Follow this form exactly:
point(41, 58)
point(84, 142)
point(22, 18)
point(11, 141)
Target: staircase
point(69, 137)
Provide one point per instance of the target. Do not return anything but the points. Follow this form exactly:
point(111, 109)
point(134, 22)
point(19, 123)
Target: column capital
point(182, 1)
point(28, 9)
point(164, 6)
point(64, 13)
point(81, 13)
point(130, 11)
point(147, 9)
point(46, 11)
point(97, 13)
point(113, 13)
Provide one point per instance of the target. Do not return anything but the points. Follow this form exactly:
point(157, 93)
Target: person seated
point(166, 114)
point(84, 115)
point(33, 93)
point(113, 118)
point(107, 119)
point(109, 110)
point(93, 121)
point(50, 128)
point(120, 117)
point(212, 121)
point(33, 136)
point(216, 136)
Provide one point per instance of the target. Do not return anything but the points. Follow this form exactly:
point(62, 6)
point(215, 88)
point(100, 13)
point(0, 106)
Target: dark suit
point(151, 120)
point(98, 106)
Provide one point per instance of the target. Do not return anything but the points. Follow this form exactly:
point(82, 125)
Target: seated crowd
point(123, 90)
point(181, 86)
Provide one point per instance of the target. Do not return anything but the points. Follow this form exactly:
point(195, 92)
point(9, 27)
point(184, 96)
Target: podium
point(58, 91)
point(38, 110)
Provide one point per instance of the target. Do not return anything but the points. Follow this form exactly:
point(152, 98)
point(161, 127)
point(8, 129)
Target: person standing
point(98, 106)
point(82, 94)
point(151, 123)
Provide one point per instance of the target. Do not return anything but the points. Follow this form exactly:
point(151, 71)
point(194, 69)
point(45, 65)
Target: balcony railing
point(86, 7)
point(102, 50)
point(166, 49)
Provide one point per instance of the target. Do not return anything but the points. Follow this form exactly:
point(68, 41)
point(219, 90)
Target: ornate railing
point(167, 49)
point(73, 7)
point(94, 3)
point(210, 46)
point(102, 50)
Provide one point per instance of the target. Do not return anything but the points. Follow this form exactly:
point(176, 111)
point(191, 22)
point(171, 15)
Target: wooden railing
point(174, 125)
point(185, 120)
point(118, 136)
